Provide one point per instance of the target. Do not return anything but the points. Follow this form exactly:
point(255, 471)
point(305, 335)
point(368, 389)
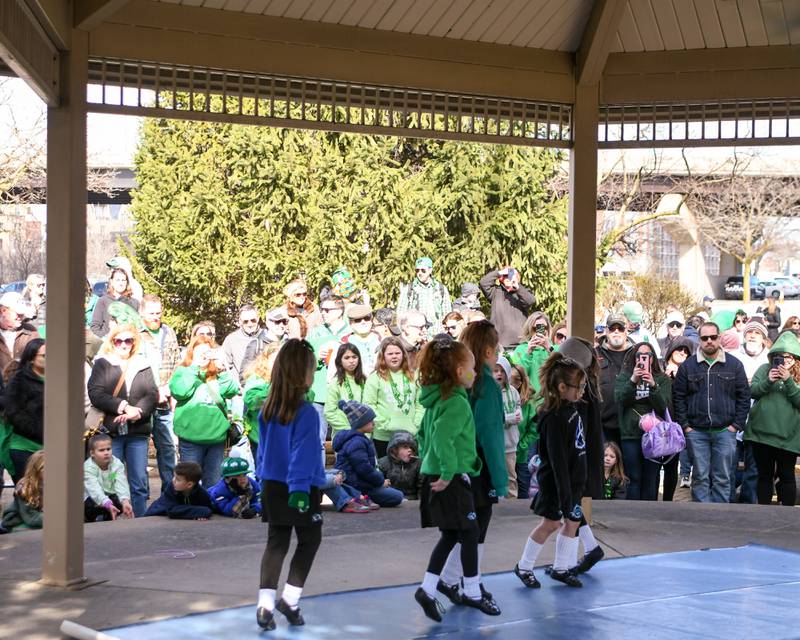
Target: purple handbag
point(665, 439)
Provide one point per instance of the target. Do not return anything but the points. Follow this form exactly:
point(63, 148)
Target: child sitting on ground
point(184, 499)
point(512, 411)
point(355, 455)
point(616, 482)
point(345, 498)
point(236, 494)
point(401, 464)
point(105, 485)
point(26, 509)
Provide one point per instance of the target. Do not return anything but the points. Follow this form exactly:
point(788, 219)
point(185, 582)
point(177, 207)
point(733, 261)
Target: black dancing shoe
point(485, 593)
point(294, 616)
point(527, 577)
point(567, 577)
point(590, 559)
point(484, 604)
point(265, 618)
point(549, 569)
point(452, 591)
point(431, 606)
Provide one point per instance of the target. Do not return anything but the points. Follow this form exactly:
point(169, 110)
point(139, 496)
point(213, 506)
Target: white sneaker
point(685, 482)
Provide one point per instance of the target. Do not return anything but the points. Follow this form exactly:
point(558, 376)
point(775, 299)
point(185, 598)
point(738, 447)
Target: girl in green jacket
point(773, 426)
point(257, 378)
point(392, 392)
point(201, 386)
point(450, 468)
point(347, 385)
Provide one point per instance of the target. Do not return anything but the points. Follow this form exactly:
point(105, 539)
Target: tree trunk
point(746, 281)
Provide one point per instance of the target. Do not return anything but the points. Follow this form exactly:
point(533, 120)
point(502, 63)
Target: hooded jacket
point(447, 436)
point(775, 417)
point(198, 417)
point(355, 456)
point(487, 409)
point(256, 390)
point(404, 476)
point(677, 343)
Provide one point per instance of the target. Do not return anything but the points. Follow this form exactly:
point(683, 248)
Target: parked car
point(15, 287)
point(788, 285)
point(735, 291)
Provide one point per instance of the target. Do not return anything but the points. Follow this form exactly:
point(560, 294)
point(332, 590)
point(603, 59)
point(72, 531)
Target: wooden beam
point(598, 38)
point(88, 14)
point(55, 17)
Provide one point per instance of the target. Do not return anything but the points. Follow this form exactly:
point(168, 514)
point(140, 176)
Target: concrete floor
point(154, 568)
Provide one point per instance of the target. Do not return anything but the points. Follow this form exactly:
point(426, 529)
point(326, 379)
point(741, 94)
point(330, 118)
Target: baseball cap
point(277, 314)
point(616, 318)
point(356, 311)
point(423, 263)
point(14, 301)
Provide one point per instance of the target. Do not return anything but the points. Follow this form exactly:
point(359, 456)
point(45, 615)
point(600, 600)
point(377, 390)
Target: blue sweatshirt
point(229, 499)
point(294, 451)
point(181, 507)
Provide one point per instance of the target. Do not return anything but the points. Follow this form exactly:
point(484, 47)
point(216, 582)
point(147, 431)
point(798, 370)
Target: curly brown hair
point(438, 364)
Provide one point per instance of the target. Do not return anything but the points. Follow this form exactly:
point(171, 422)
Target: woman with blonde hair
point(122, 385)
point(27, 507)
point(303, 314)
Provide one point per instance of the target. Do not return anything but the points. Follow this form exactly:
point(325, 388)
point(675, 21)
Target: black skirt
point(275, 507)
point(482, 487)
point(453, 508)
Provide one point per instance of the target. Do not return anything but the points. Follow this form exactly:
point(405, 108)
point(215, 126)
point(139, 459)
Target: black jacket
point(509, 309)
point(180, 507)
point(142, 394)
point(404, 476)
point(589, 409)
point(610, 365)
point(24, 404)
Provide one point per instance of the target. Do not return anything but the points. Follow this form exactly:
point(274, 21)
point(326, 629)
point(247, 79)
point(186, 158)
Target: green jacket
point(388, 416)
point(630, 409)
point(774, 419)
point(198, 417)
point(528, 433)
point(531, 362)
point(447, 434)
point(487, 409)
point(318, 338)
point(334, 416)
point(256, 390)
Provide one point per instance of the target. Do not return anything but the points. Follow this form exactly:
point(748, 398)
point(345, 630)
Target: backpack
point(664, 439)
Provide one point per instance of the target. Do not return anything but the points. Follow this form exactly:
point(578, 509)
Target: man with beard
point(712, 398)
point(611, 351)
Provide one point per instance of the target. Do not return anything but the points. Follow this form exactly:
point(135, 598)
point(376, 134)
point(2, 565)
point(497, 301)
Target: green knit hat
point(124, 314)
point(344, 285)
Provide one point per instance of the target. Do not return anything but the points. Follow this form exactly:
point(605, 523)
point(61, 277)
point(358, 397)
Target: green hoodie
point(487, 408)
point(319, 338)
point(256, 390)
point(388, 416)
point(447, 434)
point(335, 417)
point(198, 417)
point(774, 419)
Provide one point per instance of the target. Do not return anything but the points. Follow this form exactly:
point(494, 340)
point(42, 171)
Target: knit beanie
point(469, 289)
point(756, 325)
point(729, 340)
point(357, 414)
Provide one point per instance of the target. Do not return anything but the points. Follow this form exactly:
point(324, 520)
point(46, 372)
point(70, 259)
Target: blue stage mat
point(749, 592)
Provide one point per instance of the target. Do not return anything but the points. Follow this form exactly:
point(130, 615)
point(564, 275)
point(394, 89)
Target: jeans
point(132, 450)
point(643, 474)
point(163, 439)
point(208, 456)
point(686, 463)
point(385, 496)
point(523, 480)
point(341, 494)
point(712, 455)
point(747, 492)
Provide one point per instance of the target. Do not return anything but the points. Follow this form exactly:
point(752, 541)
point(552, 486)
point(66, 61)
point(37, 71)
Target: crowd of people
point(429, 401)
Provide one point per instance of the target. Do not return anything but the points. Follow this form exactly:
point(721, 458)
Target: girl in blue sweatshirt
point(291, 476)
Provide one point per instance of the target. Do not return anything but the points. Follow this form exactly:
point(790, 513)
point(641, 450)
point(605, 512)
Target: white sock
point(266, 598)
point(480, 558)
point(587, 538)
point(291, 595)
point(429, 583)
point(566, 552)
point(472, 587)
point(529, 555)
point(452, 571)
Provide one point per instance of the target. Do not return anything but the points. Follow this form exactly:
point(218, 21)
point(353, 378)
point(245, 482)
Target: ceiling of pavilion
point(647, 25)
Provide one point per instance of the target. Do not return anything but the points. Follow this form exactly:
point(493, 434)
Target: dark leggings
point(670, 478)
point(278, 539)
point(484, 517)
point(770, 460)
point(469, 550)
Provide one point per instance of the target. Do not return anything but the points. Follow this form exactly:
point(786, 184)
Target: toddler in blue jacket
point(184, 498)
point(355, 456)
point(236, 494)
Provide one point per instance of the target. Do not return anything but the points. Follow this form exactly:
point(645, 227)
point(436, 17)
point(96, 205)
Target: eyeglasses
point(451, 327)
point(118, 342)
point(710, 338)
point(414, 326)
point(560, 336)
point(329, 309)
point(249, 320)
point(422, 270)
point(616, 328)
point(364, 319)
point(300, 294)
point(675, 325)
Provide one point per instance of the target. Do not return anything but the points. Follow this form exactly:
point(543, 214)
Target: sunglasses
point(208, 334)
point(422, 270)
point(284, 321)
point(740, 321)
point(300, 294)
point(451, 327)
point(796, 324)
point(710, 338)
point(118, 342)
point(329, 309)
point(250, 321)
point(364, 319)
point(675, 325)
point(616, 328)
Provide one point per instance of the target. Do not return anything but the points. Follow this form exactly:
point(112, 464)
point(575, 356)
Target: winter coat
point(23, 399)
point(447, 436)
point(25, 334)
point(711, 396)
point(100, 324)
point(589, 410)
point(404, 476)
point(179, 506)
point(487, 409)
point(631, 408)
point(19, 512)
point(388, 416)
point(230, 499)
point(334, 416)
point(255, 347)
point(528, 433)
point(775, 417)
point(509, 309)
point(256, 390)
point(138, 389)
point(199, 418)
point(290, 453)
point(355, 456)
point(610, 363)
